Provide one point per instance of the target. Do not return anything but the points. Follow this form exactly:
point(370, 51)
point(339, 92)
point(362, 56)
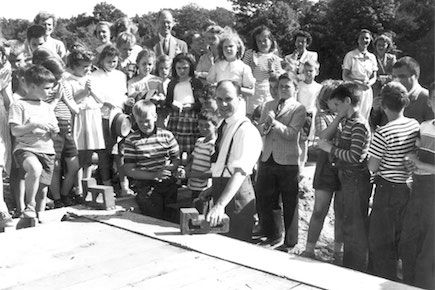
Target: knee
point(33, 168)
point(73, 165)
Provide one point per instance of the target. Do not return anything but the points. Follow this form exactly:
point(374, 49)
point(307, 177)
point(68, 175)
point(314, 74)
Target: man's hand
point(215, 215)
point(324, 145)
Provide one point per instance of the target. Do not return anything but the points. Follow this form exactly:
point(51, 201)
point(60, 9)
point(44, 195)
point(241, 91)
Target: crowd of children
point(58, 109)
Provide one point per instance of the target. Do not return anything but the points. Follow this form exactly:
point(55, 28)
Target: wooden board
point(81, 254)
point(306, 271)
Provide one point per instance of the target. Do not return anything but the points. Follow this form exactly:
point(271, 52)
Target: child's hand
point(163, 174)
point(270, 118)
point(89, 86)
point(410, 161)
point(53, 128)
point(130, 102)
point(205, 195)
point(324, 145)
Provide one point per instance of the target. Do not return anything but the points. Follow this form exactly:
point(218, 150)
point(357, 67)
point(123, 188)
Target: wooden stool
point(90, 186)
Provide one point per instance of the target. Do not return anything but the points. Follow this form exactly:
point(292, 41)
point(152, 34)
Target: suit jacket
point(387, 68)
point(283, 139)
point(176, 46)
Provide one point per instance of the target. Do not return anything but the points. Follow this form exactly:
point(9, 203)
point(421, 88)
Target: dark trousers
point(417, 243)
point(240, 209)
point(153, 196)
point(352, 204)
point(386, 220)
point(274, 180)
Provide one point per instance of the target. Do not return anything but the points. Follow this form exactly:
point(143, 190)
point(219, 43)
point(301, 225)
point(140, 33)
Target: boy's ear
point(347, 100)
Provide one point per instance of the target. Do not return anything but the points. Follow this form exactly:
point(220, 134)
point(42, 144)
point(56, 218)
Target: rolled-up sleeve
point(245, 150)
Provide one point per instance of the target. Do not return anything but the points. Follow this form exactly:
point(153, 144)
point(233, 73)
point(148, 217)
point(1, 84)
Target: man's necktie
point(217, 145)
point(166, 46)
point(279, 106)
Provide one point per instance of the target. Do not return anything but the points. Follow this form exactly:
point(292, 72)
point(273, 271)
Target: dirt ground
point(325, 245)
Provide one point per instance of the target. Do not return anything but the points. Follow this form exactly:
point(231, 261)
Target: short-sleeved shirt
point(111, 86)
point(25, 110)
point(201, 162)
point(150, 152)
point(426, 151)
point(61, 110)
point(262, 64)
point(361, 65)
point(245, 150)
point(307, 95)
point(390, 144)
point(144, 84)
point(235, 70)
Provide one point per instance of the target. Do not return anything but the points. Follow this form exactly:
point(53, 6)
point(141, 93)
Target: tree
point(281, 20)
point(14, 28)
point(107, 12)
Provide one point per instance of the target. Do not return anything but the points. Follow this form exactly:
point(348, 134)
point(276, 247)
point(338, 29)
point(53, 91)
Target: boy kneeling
point(151, 157)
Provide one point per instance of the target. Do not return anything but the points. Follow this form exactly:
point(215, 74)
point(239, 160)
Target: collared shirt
point(361, 65)
point(353, 143)
point(150, 152)
point(235, 70)
point(245, 150)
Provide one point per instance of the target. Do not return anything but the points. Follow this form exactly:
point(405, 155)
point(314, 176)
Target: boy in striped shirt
point(351, 160)
point(198, 169)
point(387, 151)
point(151, 157)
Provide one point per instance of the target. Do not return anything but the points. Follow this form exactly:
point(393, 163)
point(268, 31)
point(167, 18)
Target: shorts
point(326, 175)
point(46, 160)
point(85, 157)
point(64, 143)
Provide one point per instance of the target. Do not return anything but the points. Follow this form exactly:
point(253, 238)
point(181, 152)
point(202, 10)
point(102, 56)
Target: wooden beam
point(306, 271)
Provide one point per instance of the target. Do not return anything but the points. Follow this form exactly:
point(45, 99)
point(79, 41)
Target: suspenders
point(229, 150)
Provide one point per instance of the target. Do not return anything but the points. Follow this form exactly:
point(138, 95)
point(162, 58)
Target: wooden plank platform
point(124, 250)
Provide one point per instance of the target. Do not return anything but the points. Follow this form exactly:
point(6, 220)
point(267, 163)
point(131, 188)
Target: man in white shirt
point(237, 151)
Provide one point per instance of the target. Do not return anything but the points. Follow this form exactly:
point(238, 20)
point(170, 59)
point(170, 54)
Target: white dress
point(88, 127)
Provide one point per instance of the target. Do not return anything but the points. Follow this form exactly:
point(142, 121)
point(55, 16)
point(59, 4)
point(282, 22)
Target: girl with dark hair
point(182, 100)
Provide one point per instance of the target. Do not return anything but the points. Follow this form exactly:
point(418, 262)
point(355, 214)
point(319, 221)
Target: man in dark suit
point(165, 43)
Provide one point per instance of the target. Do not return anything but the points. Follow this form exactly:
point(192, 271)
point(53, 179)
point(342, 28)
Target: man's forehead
point(226, 89)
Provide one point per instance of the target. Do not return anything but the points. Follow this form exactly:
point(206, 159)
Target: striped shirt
point(426, 151)
point(353, 142)
point(150, 152)
point(390, 144)
point(201, 162)
point(61, 110)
